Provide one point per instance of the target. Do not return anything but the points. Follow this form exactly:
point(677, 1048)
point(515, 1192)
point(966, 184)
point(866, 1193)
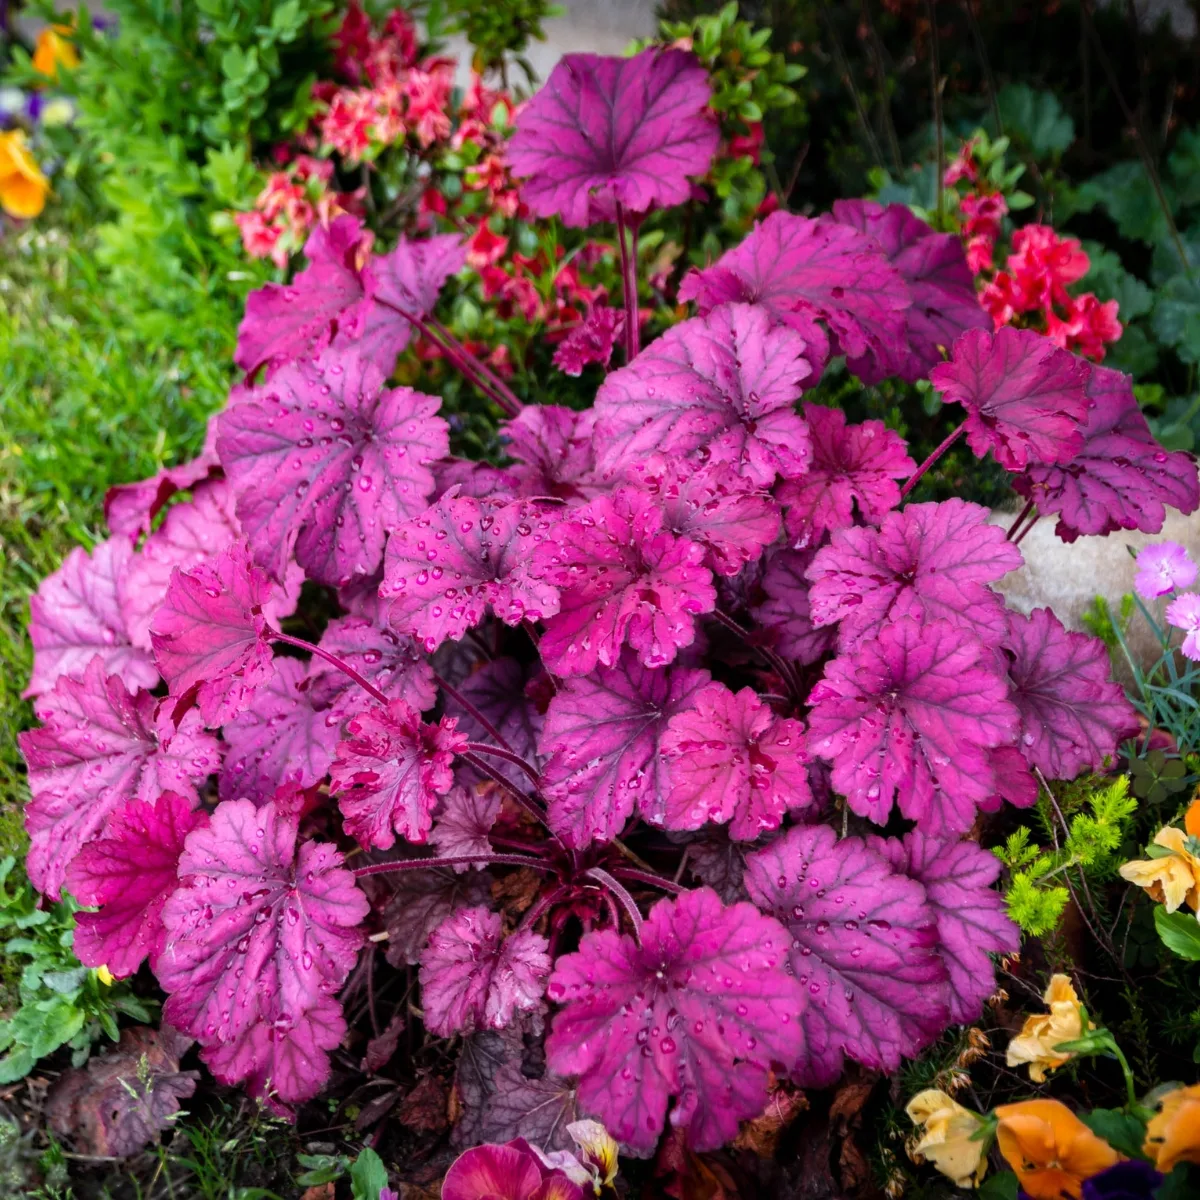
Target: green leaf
point(368, 1175)
point(1183, 1183)
point(1180, 933)
point(1109, 280)
point(1120, 1130)
point(1183, 166)
point(1037, 118)
point(1176, 319)
point(1126, 193)
point(999, 1187)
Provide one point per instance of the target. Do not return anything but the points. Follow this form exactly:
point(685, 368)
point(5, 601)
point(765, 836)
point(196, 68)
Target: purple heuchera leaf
point(854, 468)
point(591, 341)
point(390, 771)
point(1025, 398)
point(699, 1011)
point(280, 739)
point(421, 900)
point(863, 949)
point(601, 739)
point(101, 746)
point(713, 505)
point(77, 614)
point(908, 718)
point(608, 131)
point(511, 1172)
point(128, 875)
point(498, 690)
point(1073, 716)
point(447, 567)
point(732, 761)
point(555, 452)
point(1121, 478)
point(934, 267)
point(381, 656)
point(718, 388)
point(623, 578)
point(799, 271)
point(926, 561)
point(970, 914)
point(210, 636)
point(463, 825)
point(472, 977)
point(323, 459)
point(260, 934)
point(786, 612)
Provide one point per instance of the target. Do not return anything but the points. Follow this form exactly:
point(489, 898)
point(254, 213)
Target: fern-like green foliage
point(1036, 895)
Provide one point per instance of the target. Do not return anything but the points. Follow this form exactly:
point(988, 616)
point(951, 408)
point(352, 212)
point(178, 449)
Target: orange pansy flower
point(1173, 1134)
point(23, 187)
point(1174, 879)
point(1051, 1150)
point(54, 49)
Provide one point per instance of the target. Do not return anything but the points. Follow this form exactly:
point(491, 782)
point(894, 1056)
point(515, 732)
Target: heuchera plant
point(659, 741)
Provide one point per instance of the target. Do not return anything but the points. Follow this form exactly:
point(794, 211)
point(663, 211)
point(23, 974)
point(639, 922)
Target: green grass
point(91, 394)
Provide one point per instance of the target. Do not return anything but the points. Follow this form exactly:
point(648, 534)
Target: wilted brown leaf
point(424, 1108)
point(323, 1191)
point(761, 1135)
point(516, 892)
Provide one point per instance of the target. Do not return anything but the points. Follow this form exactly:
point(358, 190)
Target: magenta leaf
point(420, 901)
point(715, 506)
point(623, 578)
point(128, 875)
point(863, 947)
point(210, 636)
point(718, 388)
point(854, 467)
point(601, 740)
point(101, 746)
point(260, 934)
point(280, 739)
point(286, 321)
point(591, 341)
point(1121, 478)
point(935, 269)
point(77, 614)
point(555, 451)
point(381, 656)
point(699, 1011)
point(971, 920)
point(927, 561)
point(324, 459)
point(124, 1099)
point(472, 977)
point(908, 718)
point(464, 822)
point(786, 611)
point(719, 863)
point(606, 130)
point(447, 567)
point(478, 479)
point(732, 761)
point(1025, 398)
point(390, 771)
point(799, 271)
point(1073, 716)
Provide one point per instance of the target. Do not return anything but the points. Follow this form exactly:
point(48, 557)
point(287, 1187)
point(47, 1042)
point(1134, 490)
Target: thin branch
point(470, 708)
point(1020, 517)
point(984, 65)
point(913, 479)
point(881, 73)
point(507, 755)
point(454, 860)
point(333, 660)
point(936, 83)
point(650, 878)
point(843, 67)
point(627, 237)
point(526, 801)
point(510, 396)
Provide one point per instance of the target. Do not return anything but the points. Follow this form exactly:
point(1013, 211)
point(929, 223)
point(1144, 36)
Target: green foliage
point(1179, 931)
point(59, 1002)
point(1035, 895)
point(1036, 119)
point(368, 1175)
point(499, 28)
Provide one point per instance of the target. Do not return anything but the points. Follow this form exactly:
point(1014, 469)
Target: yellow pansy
point(1042, 1032)
point(1173, 1134)
point(1173, 879)
point(54, 49)
point(23, 187)
point(949, 1137)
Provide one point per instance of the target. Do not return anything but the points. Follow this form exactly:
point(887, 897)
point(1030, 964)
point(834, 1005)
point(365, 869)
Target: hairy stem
point(547, 902)
point(526, 801)
point(470, 708)
point(618, 892)
point(1012, 529)
point(627, 238)
point(1033, 520)
point(912, 481)
point(650, 878)
point(507, 755)
point(333, 660)
point(454, 860)
point(510, 396)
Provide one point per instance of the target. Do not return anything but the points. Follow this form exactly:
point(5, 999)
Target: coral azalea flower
point(1051, 1150)
point(1173, 1134)
point(23, 187)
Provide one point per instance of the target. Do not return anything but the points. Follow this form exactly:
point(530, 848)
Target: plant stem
point(482, 366)
point(628, 243)
point(1020, 517)
point(914, 478)
point(470, 708)
point(1033, 520)
point(627, 902)
point(333, 660)
point(525, 801)
point(532, 917)
point(454, 860)
point(782, 668)
point(507, 755)
point(935, 81)
point(1130, 1086)
point(649, 878)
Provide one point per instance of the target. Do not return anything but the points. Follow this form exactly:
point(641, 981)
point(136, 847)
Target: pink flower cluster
point(1030, 291)
point(675, 623)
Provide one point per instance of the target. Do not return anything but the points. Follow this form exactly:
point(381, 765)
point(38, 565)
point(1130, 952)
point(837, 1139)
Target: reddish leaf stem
point(782, 669)
point(1012, 529)
point(650, 878)
point(333, 660)
point(526, 801)
point(484, 370)
point(627, 238)
point(454, 860)
point(1033, 520)
point(507, 755)
point(470, 708)
point(913, 479)
point(627, 902)
point(532, 917)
